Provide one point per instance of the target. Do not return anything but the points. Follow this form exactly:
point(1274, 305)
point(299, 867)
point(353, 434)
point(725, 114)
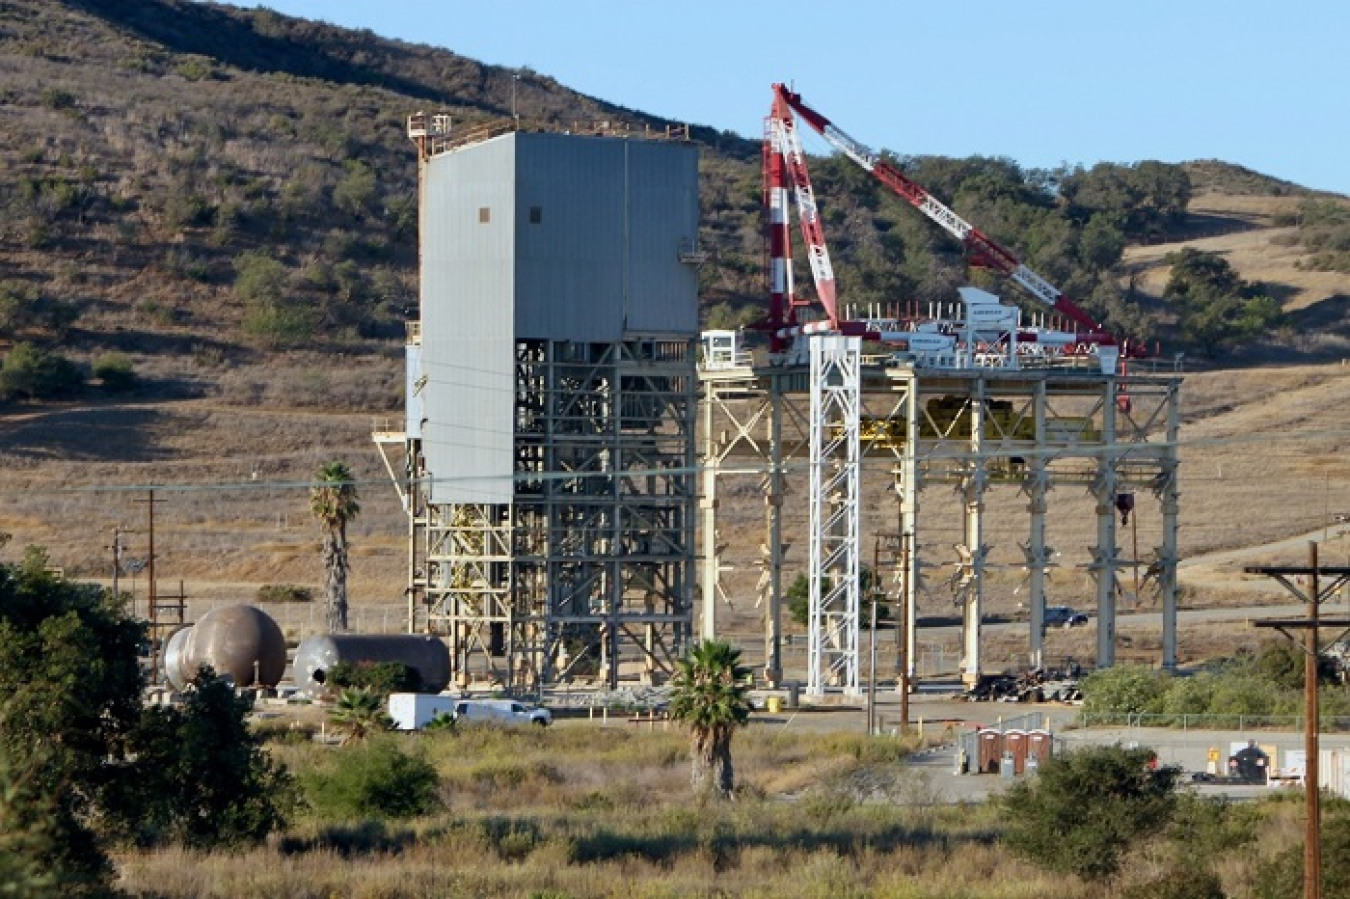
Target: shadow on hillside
point(205, 30)
point(187, 347)
point(86, 434)
point(1330, 316)
point(1317, 335)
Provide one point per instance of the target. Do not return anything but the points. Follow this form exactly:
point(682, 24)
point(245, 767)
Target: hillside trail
point(1223, 569)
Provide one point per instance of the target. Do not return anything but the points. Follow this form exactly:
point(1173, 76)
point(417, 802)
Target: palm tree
point(709, 695)
point(359, 713)
point(333, 501)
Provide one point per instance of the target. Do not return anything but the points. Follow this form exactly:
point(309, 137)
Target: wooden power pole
point(1315, 594)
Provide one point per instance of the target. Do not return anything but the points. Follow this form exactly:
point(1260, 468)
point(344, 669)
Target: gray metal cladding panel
point(600, 224)
point(414, 408)
point(467, 283)
point(570, 226)
point(663, 197)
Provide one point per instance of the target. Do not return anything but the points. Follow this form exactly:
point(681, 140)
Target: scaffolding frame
point(589, 571)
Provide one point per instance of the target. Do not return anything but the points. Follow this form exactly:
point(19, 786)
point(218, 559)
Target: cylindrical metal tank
point(240, 642)
point(317, 655)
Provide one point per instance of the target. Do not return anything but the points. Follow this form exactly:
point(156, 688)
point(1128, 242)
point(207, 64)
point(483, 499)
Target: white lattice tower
point(832, 638)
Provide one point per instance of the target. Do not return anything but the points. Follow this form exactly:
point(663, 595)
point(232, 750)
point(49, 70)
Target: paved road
point(945, 718)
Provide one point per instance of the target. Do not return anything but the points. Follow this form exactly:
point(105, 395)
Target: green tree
point(709, 696)
point(201, 778)
point(26, 824)
point(1084, 810)
point(1215, 307)
point(358, 713)
point(72, 682)
point(334, 501)
point(798, 598)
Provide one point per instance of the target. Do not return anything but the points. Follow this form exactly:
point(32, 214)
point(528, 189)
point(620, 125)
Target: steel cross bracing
point(833, 570)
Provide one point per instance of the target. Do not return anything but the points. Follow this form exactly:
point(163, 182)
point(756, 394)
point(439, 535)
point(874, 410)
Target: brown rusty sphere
point(240, 642)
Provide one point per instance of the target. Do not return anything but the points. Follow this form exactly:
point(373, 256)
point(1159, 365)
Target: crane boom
point(983, 249)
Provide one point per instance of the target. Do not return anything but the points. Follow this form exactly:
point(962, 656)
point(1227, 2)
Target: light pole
point(515, 117)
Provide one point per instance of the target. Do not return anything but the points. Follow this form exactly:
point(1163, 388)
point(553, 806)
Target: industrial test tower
point(547, 458)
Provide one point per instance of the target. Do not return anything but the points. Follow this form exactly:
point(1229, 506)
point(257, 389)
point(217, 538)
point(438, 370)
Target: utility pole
point(152, 600)
point(117, 566)
point(1313, 598)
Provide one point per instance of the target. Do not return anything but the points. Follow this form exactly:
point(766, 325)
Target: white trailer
point(414, 711)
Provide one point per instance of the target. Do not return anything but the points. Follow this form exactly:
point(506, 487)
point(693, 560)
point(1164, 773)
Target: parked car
point(1077, 619)
point(501, 711)
point(1058, 616)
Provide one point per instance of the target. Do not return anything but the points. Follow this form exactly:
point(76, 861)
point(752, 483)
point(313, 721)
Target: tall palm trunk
point(711, 772)
point(335, 579)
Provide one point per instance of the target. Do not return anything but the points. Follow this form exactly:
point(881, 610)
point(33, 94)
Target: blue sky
point(1045, 82)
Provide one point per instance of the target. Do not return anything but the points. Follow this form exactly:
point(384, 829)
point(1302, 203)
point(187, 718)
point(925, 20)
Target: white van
point(501, 711)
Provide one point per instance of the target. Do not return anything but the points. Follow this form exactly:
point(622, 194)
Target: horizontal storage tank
point(240, 642)
point(317, 655)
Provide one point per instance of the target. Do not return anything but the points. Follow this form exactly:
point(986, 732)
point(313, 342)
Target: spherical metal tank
point(240, 642)
point(317, 655)
point(175, 663)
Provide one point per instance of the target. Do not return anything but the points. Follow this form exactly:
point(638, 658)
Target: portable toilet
point(1015, 745)
point(991, 751)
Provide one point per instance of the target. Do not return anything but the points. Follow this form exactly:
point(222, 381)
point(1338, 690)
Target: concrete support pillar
point(908, 488)
point(1036, 485)
point(1104, 553)
point(773, 508)
point(972, 581)
point(1170, 497)
point(708, 513)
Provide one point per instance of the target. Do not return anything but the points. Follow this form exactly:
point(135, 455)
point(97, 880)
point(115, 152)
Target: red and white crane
point(784, 167)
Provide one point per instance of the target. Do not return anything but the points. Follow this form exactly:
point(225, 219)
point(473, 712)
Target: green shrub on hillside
point(115, 372)
point(31, 372)
point(284, 593)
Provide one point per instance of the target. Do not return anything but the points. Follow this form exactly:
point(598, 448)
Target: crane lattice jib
point(782, 303)
point(982, 249)
point(789, 144)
